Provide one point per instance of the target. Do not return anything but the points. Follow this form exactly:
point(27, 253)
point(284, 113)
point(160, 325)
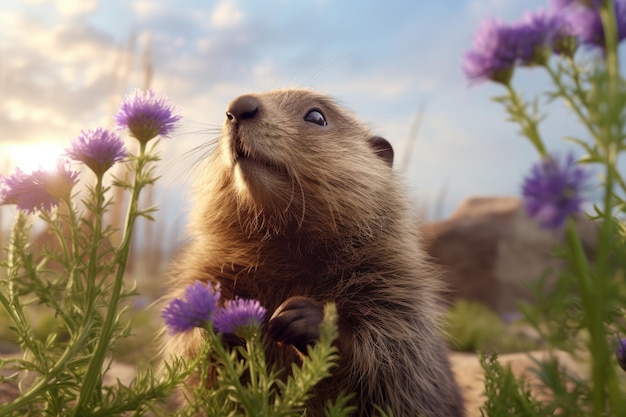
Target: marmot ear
point(382, 148)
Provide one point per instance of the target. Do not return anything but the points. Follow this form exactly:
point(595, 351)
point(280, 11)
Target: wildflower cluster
point(39, 190)
point(583, 311)
point(553, 190)
point(199, 308)
point(264, 394)
point(80, 280)
point(99, 149)
point(499, 47)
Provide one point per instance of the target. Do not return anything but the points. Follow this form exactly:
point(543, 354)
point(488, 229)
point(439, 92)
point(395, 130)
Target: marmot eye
point(316, 116)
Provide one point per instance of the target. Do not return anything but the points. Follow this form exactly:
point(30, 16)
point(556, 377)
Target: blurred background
point(66, 64)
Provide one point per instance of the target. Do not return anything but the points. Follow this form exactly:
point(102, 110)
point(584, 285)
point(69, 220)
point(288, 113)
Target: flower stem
point(609, 23)
point(72, 258)
point(528, 124)
point(570, 100)
point(92, 271)
point(603, 374)
point(94, 372)
point(258, 372)
point(235, 378)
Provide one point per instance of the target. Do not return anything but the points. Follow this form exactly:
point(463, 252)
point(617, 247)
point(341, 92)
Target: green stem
point(73, 230)
point(603, 373)
point(15, 262)
point(94, 372)
point(15, 311)
point(73, 258)
point(258, 371)
point(607, 14)
point(593, 317)
point(92, 270)
point(570, 100)
point(528, 124)
point(618, 178)
point(235, 378)
point(579, 90)
point(57, 228)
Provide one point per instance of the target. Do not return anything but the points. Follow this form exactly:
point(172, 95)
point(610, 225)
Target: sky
point(66, 64)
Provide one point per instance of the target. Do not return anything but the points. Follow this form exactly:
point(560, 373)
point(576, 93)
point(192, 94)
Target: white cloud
point(56, 80)
point(145, 7)
point(226, 15)
point(75, 7)
point(69, 8)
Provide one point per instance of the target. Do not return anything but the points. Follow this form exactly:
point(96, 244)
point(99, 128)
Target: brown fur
point(332, 223)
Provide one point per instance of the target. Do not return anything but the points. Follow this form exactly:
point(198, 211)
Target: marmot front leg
point(297, 322)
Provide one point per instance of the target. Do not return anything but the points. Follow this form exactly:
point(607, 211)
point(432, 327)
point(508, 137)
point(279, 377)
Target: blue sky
point(65, 64)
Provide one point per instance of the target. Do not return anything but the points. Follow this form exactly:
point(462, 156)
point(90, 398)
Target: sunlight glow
point(31, 157)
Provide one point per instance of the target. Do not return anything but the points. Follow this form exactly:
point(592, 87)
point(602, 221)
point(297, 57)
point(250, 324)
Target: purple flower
point(238, 316)
point(552, 191)
point(195, 309)
point(494, 53)
point(587, 25)
point(13, 187)
point(58, 183)
point(40, 190)
point(146, 116)
point(97, 148)
point(499, 47)
point(620, 353)
point(542, 33)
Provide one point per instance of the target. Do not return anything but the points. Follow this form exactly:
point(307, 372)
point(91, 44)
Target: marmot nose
point(242, 108)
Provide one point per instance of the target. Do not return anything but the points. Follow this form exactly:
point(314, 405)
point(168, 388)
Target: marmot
point(298, 206)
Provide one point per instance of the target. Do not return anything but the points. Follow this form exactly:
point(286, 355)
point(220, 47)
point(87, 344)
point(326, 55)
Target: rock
point(490, 251)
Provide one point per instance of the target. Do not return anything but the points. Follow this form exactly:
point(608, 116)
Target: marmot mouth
point(245, 154)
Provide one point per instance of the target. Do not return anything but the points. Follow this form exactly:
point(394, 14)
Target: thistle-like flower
point(13, 187)
point(552, 191)
point(146, 116)
point(97, 148)
point(494, 53)
point(240, 317)
point(499, 47)
point(40, 190)
point(195, 309)
point(587, 24)
point(543, 33)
